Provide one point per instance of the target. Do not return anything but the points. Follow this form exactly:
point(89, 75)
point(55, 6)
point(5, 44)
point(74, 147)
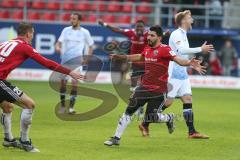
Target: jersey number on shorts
point(6, 49)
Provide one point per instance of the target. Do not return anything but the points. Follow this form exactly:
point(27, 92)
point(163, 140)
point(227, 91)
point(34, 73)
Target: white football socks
point(6, 121)
point(163, 117)
point(122, 125)
point(25, 123)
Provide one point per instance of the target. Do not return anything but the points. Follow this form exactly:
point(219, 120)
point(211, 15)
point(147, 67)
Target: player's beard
point(75, 25)
point(139, 32)
point(152, 43)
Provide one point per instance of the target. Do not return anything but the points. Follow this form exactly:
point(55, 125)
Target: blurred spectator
point(215, 64)
point(228, 55)
point(216, 11)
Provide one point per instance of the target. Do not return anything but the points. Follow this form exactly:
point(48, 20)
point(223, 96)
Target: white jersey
point(74, 42)
point(178, 42)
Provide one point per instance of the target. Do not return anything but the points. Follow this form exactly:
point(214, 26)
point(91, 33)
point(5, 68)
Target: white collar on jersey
point(78, 28)
point(182, 30)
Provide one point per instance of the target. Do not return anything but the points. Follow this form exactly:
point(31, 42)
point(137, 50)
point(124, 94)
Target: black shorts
point(137, 70)
point(9, 92)
point(141, 96)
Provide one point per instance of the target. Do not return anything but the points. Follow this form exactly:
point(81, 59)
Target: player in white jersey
point(179, 84)
point(71, 45)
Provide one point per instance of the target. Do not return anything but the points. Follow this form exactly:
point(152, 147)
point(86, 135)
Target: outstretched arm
point(194, 63)
point(111, 27)
point(56, 67)
point(205, 48)
point(132, 58)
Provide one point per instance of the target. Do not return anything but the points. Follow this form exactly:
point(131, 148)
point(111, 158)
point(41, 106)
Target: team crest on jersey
point(155, 52)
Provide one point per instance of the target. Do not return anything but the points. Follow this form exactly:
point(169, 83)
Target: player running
point(179, 83)
point(153, 86)
point(12, 54)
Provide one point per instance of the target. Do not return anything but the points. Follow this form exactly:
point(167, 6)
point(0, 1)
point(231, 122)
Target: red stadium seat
point(102, 7)
point(7, 3)
point(114, 7)
point(98, 6)
point(84, 17)
point(66, 17)
point(53, 5)
point(49, 16)
point(21, 4)
point(93, 7)
point(18, 15)
point(92, 18)
point(144, 8)
point(38, 4)
point(68, 6)
point(82, 6)
point(127, 7)
point(108, 18)
point(124, 19)
point(33, 15)
point(4, 14)
point(144, 18)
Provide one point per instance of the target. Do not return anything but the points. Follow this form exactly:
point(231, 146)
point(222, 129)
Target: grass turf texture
point(216, 114)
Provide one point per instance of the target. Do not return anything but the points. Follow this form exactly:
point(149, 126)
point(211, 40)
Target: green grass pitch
point(217, 114)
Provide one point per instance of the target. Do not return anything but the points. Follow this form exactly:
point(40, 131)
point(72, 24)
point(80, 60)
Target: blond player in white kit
point(179, 83)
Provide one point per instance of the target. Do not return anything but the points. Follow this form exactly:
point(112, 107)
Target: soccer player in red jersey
point(138, 38)
point(12, 54)
point(153, 87)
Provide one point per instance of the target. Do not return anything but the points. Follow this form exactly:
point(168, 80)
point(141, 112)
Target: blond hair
point(180, 16)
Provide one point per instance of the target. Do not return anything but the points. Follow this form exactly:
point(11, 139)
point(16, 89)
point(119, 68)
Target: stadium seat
point(49, 16)
point(108, 18)
point(92, 18)
point(7, 3)
point(98, 6)
point(21, 4)
point(4, 14)
point(144, 18)
point(127, 7)
point(68, 6)
point(82, 6)
point(124, 19)
point(38, 4)
point(18, 15)
point(53, 5)
point(144, 8)
point(33, 15)
point(65, 17)
point(114, 7)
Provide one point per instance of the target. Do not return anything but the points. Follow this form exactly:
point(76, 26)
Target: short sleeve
point(88, 38)
point(29, 51)
point(176, 40)
point(127, 32)
point(62, 35)
point(168, 53)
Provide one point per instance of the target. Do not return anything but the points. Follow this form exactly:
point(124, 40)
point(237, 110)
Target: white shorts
point(73, 64)
point(179, 88)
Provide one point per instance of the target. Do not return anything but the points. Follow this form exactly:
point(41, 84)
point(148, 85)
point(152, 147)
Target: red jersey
point(14, 52)
point(138, 43)
point(156, 67)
